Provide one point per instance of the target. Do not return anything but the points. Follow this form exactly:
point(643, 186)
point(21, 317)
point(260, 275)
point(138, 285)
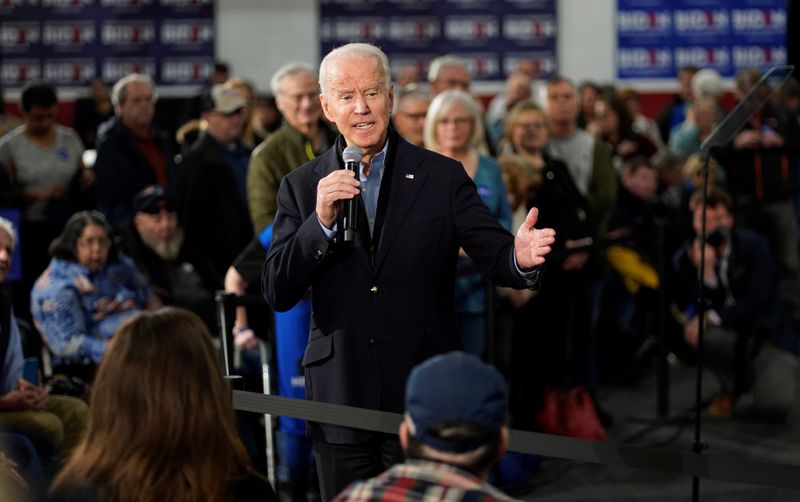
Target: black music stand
point(754, 101)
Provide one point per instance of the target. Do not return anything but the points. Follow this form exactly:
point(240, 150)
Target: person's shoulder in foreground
point(423, 480)
point(453, 433)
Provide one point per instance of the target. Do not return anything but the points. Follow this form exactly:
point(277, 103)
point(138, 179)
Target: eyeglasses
point(414, 116)
point(530, 125)
point(456, 121)
point(297, 98)
point(89, 242)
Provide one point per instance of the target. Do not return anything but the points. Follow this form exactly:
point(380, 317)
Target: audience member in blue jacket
point(86, 292)
point(453, 127)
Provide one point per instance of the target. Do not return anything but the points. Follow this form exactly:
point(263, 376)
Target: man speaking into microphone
point(383, 302)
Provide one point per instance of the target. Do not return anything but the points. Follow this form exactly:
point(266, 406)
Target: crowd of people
point(122, 254)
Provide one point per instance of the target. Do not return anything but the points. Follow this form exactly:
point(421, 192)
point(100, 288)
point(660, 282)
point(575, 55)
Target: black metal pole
point(698, 445)
point(222, 299)
point(662, 368)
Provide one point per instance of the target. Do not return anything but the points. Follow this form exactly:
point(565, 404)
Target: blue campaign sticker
point(485, 192)
point(62, 153)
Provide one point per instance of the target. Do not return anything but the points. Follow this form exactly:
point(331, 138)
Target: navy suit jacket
point(382, 303)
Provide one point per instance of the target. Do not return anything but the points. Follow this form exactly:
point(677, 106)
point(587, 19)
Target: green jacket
point(274, 158)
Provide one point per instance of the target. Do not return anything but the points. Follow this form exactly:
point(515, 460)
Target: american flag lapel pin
point(409, 176)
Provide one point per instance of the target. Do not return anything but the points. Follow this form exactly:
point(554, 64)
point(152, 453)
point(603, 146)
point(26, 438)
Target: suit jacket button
point(373, 290)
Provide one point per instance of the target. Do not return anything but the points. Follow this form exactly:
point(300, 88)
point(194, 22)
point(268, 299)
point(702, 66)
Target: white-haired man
point(131, 152)
point(303, 136)
point(409, 117)
point(448, 73)
point(382, 302)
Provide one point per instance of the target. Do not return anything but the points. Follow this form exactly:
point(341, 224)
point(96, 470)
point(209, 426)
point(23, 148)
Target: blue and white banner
point(73, 41)
point(491, 35)
point(655, 38)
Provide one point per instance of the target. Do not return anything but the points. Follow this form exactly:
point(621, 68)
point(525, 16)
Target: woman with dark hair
point(92, 111)
point(588, 93)
point(615, 127)
point(161, 425)
point(86, 292)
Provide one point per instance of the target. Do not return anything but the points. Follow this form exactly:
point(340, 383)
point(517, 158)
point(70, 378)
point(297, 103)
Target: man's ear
point(137, 222)
point(323, 100)
point(279, 104)
point(403, 434)
point(501, 450)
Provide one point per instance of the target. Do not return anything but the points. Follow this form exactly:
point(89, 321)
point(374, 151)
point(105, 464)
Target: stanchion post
point(222, 299)
point(662, 366)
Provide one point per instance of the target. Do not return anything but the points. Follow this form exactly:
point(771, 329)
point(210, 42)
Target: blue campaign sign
point(655, 38)
point(492, 36)
point(70, 42)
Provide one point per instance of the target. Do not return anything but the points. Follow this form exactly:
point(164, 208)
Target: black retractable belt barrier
point(717, 467)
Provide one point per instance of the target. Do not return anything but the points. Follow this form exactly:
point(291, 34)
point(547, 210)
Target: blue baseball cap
point(455, 387)
point(151, 199)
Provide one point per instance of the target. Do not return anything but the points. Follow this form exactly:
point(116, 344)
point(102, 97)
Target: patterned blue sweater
point(77, 311)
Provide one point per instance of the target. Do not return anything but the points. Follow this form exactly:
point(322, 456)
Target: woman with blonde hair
point(454, 128)
point(248, 136)
point(560, 310)
point(161, 425)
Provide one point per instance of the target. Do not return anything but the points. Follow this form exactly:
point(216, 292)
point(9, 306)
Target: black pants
point(338, 465)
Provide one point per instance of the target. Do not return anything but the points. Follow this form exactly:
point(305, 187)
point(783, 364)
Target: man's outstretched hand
point(532, 244)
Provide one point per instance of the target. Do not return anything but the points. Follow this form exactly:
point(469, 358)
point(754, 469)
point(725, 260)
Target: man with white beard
point(154, 240)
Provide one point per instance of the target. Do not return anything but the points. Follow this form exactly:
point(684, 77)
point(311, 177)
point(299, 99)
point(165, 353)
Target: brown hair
point(248, 135)
point(161, 424)
point(716, 197)
point(632, 165)
point(513, 168)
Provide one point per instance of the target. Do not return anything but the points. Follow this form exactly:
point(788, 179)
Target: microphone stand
point(754, 101)
point(698, 446)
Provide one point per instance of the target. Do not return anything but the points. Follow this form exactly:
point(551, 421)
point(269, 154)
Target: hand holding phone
point(30, 370)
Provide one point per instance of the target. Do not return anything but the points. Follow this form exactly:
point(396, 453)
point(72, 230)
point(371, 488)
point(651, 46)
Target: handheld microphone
point(352, 157)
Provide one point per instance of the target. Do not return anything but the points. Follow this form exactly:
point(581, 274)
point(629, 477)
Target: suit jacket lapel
point(408, 176)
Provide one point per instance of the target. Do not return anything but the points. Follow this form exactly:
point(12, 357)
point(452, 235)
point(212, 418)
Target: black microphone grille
point(352, 154)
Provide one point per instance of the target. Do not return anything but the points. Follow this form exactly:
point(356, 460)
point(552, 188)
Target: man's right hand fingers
point(338, 185)
point(332, 190)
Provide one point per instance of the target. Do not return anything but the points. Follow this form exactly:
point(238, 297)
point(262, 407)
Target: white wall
point(587, 39)
point(258, 36)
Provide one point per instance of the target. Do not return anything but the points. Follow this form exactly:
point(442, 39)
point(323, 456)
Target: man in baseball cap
point(211, 183)
point(453, 432)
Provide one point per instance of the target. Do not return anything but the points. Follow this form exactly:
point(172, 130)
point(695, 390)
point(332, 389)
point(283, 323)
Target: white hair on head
point(707, 83)
point(290, 70)
point(442, 104)
point(10, 230)
point(411, 92)
point(354, 51)
point(442, 62)
point(118, 92)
